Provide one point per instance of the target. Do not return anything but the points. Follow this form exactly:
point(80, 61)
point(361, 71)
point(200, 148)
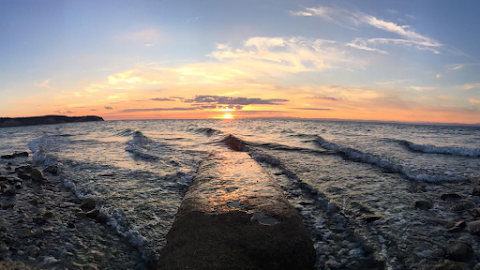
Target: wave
point(44, 147)
point(208, 131)
point(359, 156)
point(141, 147)
point(233, 143)
point(41, 149)
point(446, 150)
point(125, 133)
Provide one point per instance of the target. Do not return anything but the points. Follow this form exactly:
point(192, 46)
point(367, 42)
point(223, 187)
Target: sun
point(227, 116)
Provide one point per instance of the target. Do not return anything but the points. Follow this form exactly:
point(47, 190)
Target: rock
point(474, 212)
point(474, 227)
point(34, 252)
point(48, 214)
point(370, 218)
point(102, 218)
point(9, 191)
point(7, 157)
point(93, 213)
point(477, 267)
point(38, 176)
point(20, 154)
point(459, 207)
point(458, 226)
point(23, 175)
point(40, 220)
point(424, 205)
point(450, 197)
point(458, 252)
point(88, 204)
point(24, 233)
point(452, 265)
point(51, 169)
point(475, 191)
point(3, 247)
point(8, 205)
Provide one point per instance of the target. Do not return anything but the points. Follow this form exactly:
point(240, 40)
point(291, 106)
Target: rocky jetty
point(234, 216)
point(46, 120)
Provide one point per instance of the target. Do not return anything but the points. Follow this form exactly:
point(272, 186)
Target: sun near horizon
point(391, 61)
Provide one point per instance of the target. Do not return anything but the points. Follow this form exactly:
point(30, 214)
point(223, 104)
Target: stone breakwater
point(234, 216)
point(44, 226)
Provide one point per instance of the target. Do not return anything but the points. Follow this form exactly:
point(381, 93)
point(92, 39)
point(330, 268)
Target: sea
point(355, 184)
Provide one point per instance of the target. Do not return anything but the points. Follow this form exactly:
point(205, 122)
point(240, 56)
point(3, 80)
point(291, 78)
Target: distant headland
point(46, 120)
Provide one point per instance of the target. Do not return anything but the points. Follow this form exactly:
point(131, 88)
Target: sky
point(414, 61)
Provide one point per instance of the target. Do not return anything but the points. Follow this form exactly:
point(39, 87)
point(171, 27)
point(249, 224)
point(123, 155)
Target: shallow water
point(335, 173)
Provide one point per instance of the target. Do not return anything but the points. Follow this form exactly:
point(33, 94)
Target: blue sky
point(385, 60)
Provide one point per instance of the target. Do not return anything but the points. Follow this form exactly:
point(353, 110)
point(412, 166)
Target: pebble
point(458, 252)
point(88, 204)
point(450, 197)
point(424, 205)
point(24, 233)
point(474, 227)
point(38, 176)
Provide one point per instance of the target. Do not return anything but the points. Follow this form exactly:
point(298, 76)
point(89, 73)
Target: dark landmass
point(46, 120)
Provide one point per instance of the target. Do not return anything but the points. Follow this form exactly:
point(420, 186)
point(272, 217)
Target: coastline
point(43, 224)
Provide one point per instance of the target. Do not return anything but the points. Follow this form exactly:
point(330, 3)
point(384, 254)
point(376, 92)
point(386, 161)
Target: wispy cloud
point(160, 109)
point(312, 109)
point(350, 19)
point(475, 101)
point(43, 84)
point(235, 100)
point(324, 98)
point(461, 66)
point(392, 11)
point(469, 86)
point(163, 99)
point(108, 108)
point(421, 88)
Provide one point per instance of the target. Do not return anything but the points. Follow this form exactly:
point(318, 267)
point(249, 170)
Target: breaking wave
point(141, 147)
point(359, 156)
point(446, 150)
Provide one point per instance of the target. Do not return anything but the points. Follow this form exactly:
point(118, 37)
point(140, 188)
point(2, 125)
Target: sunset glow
point(395, 60)
point(227, 116)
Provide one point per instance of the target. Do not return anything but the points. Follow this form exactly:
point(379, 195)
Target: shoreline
point(43, 224)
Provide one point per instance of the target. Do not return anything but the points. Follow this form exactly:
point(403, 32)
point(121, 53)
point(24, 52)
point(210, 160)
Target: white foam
point(359, 156)
point(447, 150)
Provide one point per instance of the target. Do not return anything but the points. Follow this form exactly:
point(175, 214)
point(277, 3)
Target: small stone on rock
point(88, 204)
point(424, 205)
point(450, 197)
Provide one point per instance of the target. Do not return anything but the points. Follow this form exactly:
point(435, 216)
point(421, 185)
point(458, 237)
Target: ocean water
point(353, 183)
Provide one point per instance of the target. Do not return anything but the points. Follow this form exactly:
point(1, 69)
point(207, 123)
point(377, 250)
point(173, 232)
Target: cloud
point(312, 109)
point(421, 88)
point(392, 11)
point(235, 100)
point(395, 82)
point(43, 84)
point(64, 112)
point(348, 19)
point(324, 98)
point(108, 108)
point(410, 16)
point(461, 66)
point(160, 109)
point(93, 110)
point(474, 101)
point(164, 99)
point(362, 45)
point(469, 86)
